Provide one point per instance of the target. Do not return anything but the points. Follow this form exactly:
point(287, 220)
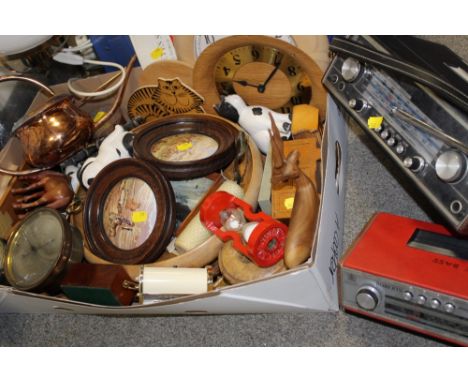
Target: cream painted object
point(159, 283)
point(196, 233)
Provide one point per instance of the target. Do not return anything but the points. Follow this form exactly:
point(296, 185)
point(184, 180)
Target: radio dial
point(421, 300)
point(367, 298)
point(449, 307)
point(408, 296)
point(434, 303)
point(450, 166)
point(415, 163)
point(400, 149)
point(385, 134)
point(357, 104)
point(350, 69)
point(391, 141)
point(333, 78)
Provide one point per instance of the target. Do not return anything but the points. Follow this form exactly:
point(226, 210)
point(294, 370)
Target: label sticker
point(99, 116)
point(289, 203)
point(139, 216)
point(374, 122)
point(184, 146)
point(157, 53)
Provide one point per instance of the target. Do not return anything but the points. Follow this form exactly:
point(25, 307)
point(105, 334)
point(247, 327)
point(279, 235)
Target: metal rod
point(28, 79)
point(431, 130)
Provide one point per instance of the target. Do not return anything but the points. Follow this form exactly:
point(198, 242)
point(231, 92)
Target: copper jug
point(58, 129)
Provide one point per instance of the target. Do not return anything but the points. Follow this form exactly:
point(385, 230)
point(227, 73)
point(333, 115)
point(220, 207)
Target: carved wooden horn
point(276, 145)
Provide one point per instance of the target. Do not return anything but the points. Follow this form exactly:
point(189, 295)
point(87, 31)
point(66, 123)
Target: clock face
point(262, 70)
point(34, 249)
point(263, 75)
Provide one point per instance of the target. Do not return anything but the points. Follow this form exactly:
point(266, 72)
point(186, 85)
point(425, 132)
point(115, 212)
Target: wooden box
point(97, 284)
point(282, 196)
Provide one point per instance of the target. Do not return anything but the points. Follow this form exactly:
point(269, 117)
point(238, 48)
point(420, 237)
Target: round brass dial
point(39, 250)
point(262, 70)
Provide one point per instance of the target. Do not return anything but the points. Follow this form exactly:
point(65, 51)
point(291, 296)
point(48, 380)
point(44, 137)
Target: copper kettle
point(58, 129)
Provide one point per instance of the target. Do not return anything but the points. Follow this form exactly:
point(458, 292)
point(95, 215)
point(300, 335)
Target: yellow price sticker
point(139, 216)
point(374, 122)
point(99, 115)
point(289, 203)
point(184, 146)
point(157, 53)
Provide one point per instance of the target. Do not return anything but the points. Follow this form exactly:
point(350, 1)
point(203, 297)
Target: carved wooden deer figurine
point(304, 215)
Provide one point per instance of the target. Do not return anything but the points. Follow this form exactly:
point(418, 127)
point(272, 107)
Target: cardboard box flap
point(330, 232)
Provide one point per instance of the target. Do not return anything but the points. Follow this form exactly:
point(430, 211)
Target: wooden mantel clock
point(262, 70)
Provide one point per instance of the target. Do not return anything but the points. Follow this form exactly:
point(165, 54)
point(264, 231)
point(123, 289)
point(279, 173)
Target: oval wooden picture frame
point(159, 236)
point(214, 127)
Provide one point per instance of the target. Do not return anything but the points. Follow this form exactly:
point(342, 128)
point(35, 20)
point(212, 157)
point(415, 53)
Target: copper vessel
point(55, 132)
point(58, 129)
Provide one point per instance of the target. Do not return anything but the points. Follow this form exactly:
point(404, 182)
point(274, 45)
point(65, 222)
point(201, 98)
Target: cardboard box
point(310, 287)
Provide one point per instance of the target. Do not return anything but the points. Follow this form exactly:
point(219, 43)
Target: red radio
point(409, 273)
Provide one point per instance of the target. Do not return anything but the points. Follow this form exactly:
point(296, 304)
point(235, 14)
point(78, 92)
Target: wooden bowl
point(237, 268)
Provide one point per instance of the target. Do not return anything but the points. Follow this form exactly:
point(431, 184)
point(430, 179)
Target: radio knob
point(415, 163)
point(449, 307)
point(391, 141)
point(408, 296)
point(434, 303)
point(357, 104)
point(421, 300)
point(400, 149)
point(333, 78)
point(367, 298)
point(350, 69)
point(450, 166)
point(384, 134)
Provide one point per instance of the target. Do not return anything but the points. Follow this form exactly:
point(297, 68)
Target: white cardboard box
point(310, 287)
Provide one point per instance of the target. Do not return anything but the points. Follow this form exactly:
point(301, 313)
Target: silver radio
point(423, 133)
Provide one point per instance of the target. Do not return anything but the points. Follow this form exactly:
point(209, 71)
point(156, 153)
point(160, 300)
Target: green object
point(91, 295)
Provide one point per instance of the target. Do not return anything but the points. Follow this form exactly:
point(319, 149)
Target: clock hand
point(261, 88)
point(45, 244)
point(245, 83)
point(33, 248)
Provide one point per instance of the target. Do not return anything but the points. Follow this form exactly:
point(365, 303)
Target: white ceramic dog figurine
point(254, 119)
point(116, 145)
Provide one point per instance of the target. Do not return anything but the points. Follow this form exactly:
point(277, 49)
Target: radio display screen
point(438, 243)
point(426, 316)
